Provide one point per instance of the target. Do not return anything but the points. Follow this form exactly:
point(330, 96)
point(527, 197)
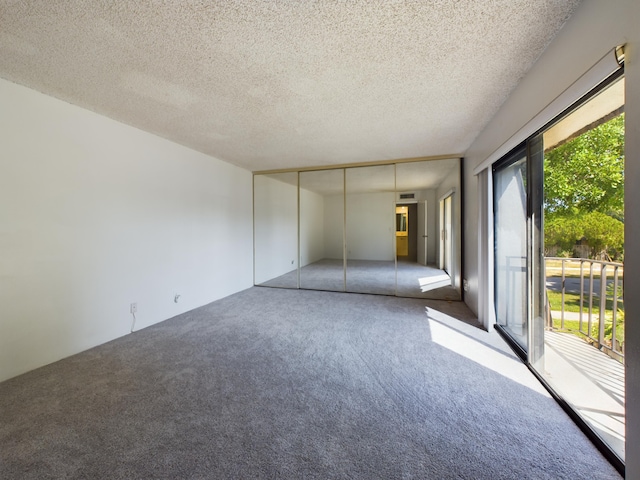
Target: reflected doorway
point(406, 244)
point(415, 277)
point(445, 233)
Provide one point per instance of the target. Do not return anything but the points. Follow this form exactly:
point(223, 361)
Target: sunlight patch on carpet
point(463, 344)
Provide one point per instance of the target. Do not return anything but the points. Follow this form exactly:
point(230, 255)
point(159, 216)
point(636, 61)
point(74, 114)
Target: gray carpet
point(325, 274)
point(274, 383)
point(369, 276)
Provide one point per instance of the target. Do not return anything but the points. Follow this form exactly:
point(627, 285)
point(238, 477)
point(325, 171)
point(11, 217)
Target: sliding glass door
point(558, 207)
point(510, 233)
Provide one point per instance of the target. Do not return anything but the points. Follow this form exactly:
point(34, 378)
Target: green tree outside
point(584, 191)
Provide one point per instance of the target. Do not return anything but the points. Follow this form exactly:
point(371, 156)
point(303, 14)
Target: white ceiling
point(284, 83)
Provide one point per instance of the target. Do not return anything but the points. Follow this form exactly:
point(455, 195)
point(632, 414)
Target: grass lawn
point(553, 268)
point(572, 304)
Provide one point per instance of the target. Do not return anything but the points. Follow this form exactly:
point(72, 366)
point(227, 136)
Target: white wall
point(95, 215)
point(334, 226)
point(311, 227)
point(276, 227)
point(595, 28)
point(371, 226)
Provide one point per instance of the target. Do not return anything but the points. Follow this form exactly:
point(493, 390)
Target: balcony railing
point(584, 297)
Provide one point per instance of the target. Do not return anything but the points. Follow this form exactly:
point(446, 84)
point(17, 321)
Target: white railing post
point(616, 348)
point(590, 321)
point(614, 320)
point(581, 294)
point(562, 306)
point(603, 304)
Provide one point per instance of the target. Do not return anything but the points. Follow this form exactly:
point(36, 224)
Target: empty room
point(324, 239)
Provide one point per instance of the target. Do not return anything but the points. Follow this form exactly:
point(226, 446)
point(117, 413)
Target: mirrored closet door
point(424, 232)
point(322, 230)
point(370, 226)
point(385, 229)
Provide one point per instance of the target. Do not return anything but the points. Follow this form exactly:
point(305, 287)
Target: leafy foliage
point(604, 234)
point(587, 173)
point(584, 191)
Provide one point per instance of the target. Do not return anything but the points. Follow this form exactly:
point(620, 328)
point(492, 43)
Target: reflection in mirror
point(321, 230)
point(402, 235)
point(428, 253)
point(276, 230)
point(401, 220)
point(402, 230)
point(370, 196)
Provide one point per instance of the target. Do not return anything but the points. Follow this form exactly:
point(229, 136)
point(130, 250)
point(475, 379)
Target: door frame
point(423, 233)
point(446, 237)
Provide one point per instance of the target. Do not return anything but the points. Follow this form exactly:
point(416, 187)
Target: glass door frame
point(533, 354)
point(514, 156)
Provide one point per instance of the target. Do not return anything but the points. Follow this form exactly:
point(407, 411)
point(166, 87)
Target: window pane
point(510, 204)
point(584, 263)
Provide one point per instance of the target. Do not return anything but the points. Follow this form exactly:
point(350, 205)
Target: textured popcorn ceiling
point(284, 83)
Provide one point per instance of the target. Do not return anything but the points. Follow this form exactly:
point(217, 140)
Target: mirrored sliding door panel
point(427, 238)
point(370, 229)
point(322, 230)
point(276, 230)
point(385, 229)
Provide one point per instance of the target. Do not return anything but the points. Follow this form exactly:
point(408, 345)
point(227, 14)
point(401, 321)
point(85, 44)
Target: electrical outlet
point(465, 285)
point(134, 307)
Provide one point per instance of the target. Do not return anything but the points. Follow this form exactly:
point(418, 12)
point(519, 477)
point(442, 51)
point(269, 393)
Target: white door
point(447, 235)
point(446, 244)
point(422, 232)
